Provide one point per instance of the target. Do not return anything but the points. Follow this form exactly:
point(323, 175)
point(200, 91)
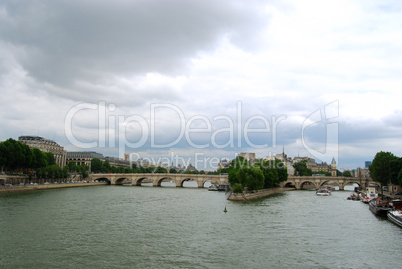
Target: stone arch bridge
point(318, 182)
point(157, 179)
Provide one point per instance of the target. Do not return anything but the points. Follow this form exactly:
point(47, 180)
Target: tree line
point(19, 157)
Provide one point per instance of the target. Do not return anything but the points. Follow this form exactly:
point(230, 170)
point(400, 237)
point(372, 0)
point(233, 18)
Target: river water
point(161, 227)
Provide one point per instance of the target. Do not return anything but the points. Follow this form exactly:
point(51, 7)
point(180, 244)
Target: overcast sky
point(178, 78)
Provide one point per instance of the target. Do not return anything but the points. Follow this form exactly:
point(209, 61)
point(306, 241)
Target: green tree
point(50, 158)
point(237, 188)
point(380, 168)
point(106, 167)
point(398, 180)
point(301, 169)
point(65, 172)
point(250, 177)
point(173, 171)
point(327, 174)
point(396, 171)
point(270, 178)
point(96, 165)
point(160, 170)
point(3, 156)
point(28, 156)
point(282, 171)
point(128, 170)
point(12, 155)
point(38, 159)
point(347, 173)
point(120, 170)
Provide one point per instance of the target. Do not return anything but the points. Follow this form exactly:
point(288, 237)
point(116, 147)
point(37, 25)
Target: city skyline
point(188, 77)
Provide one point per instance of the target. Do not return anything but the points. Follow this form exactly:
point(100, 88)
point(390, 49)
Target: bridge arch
point(180, 182)
point(104, 179)
point(206, 180)
point(352, 182)
point(309, 181)
point(330, 182)
point(119, 181)
point(160, 180)
point(138, 181)
point(289, 185)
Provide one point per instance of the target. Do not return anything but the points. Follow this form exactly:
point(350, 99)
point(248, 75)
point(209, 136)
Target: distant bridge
point(318, 182)
point(157, 179)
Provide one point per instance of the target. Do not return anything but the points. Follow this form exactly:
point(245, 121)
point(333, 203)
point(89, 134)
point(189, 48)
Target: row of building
point(315, 167)
point(62, 157)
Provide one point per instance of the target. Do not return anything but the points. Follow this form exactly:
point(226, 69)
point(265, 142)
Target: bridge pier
point(200, 183)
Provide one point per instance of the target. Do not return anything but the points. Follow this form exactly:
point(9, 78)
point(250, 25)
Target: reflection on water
point(137, 227)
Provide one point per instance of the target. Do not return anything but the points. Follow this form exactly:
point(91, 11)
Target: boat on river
point(354, 196)
point(213, 187)
point(379, 207)
point(395, 214)
point(368, 195)
point(323, 192)
point(224, 187)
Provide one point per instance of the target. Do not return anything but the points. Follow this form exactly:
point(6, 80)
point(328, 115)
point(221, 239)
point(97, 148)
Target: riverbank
point(47, 187)
point(256, 195)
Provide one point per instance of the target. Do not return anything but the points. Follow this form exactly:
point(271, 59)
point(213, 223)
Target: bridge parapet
point(157, 179)
point(319, 181)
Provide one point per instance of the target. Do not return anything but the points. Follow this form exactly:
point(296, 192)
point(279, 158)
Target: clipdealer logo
point(114, 129)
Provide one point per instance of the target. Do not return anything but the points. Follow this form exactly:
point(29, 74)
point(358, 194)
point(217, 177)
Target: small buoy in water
point(225, 210)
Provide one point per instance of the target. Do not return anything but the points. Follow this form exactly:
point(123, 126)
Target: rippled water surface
point(147, 227)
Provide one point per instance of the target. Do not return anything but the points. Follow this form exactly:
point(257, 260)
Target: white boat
point(323, 192)
point(368, 195)
point(395, 215)
point(213, 187)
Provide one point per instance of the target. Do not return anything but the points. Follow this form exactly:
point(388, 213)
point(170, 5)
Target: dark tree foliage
point(380, 169)
point(96, 165)
point(237, 188)
point(301, 169)
point(270, 172)
point(327, 174)
point(396, 171)
point(16, 156)
point(160, 170)
point(52, 172)
point(38, 159)
point(250, 177)
point(50, 158)
point(347, 173)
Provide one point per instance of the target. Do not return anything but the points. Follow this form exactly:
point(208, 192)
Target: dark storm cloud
point(64, 42)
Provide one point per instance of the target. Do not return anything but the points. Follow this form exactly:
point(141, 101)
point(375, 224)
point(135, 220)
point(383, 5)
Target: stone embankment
point(256, 195)
point(47, 187)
